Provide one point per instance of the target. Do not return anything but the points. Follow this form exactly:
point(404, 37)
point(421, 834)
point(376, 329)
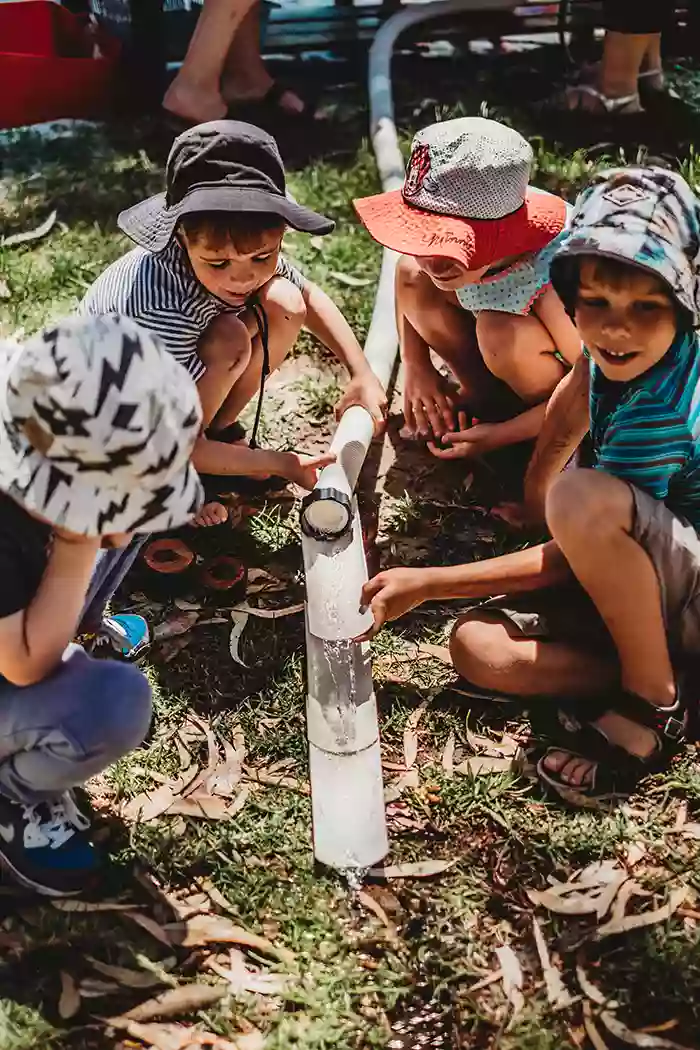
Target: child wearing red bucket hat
point(473, 286)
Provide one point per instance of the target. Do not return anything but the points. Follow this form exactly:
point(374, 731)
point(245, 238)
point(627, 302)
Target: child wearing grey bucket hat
point(605, 617)
point(208, 277)
point(97, 426)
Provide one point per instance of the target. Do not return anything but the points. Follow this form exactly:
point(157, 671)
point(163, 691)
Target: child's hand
point(427, 405)
point(467, 441)
point(365, 390)
point(391, 594)
point(304, 470)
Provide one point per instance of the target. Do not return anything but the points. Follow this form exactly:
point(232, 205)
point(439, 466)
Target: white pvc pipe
point(344, 752)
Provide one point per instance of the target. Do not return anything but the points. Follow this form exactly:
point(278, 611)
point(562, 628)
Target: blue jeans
point(87, 713)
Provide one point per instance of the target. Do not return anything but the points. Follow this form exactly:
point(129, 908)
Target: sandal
point(616, 772)
point(269, 107)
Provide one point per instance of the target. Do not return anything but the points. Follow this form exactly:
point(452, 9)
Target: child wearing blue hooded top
point(615, 594)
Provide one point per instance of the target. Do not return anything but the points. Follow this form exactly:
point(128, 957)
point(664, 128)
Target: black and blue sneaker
point(125, 635)
point(47, 848)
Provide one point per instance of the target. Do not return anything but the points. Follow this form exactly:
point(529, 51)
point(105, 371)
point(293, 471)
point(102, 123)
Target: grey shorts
point(566, 613)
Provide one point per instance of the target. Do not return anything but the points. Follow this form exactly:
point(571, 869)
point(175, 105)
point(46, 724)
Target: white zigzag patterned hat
point(97, 425)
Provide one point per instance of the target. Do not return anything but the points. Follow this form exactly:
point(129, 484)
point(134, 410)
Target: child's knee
point(412, 284)
point(226, 342)
point(480, 648)
point(501, 344)
point(588, 503)
point(284, 304)
point(122, 703)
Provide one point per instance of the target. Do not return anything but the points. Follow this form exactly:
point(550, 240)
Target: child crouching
point(613, 620)
point(473, 286)
point(97, 425)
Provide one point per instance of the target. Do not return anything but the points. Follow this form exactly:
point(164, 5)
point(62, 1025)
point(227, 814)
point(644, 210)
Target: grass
point(353, 976)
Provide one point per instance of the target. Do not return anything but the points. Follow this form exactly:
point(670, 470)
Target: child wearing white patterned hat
point(97, 426)
point(473, 285)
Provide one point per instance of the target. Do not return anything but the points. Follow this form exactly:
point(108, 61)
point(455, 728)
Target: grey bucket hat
point(648, 217)
point(97, 425)
point(227, 166)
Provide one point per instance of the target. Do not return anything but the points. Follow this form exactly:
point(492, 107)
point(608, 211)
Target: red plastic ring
point(168, 556)
point(233, 571)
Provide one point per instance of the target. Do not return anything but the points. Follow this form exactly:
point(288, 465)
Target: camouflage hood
point(648, 217)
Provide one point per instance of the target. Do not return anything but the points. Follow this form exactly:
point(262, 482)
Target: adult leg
point(245, 77)
point(195, 93)
point(450, 331)
point(591, 516)
point(285, 310)
point(520, 352)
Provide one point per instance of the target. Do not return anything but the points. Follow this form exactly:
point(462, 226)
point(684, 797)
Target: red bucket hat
point(466, 197)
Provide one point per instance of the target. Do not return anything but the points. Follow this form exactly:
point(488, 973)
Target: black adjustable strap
point(263, 331)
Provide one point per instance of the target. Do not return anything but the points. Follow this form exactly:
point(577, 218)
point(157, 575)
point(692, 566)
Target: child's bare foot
point(212, 513)
point(191, 103)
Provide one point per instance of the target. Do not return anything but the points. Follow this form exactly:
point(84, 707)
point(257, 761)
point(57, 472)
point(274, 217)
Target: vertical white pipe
point(344, 753)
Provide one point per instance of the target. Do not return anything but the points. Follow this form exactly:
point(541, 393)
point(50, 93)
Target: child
point(473, 285)
point(209, 279)
point(97, 424)
point(617, 616)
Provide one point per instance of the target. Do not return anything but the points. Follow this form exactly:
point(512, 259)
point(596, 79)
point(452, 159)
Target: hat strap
point(263, 331)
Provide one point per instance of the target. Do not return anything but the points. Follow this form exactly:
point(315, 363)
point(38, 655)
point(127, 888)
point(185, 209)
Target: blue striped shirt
point(647, 431)
point(161, 293)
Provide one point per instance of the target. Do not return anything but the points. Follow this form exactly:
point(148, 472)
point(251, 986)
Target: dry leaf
point(123, 975)
point(590, 893)
point(240, 619)
point(367, 901)
point(176, 1036)
point(507, 747)
point(91, 988)
point(410, 735)
point(557, 994)
point(149, 804)
point(269, 614)
point(172, 647)
point(448, 756)
point(262, 776)
point(216, 897)
point(421, 869)
point(201, 807)
point(88, 906)
point(242, 979)
point(30, 235)
point(512, 977)
point(150, 926)
point(69, 1003)
point(649, 918)
point(215, 929)
point(691, 831)
point(182, 1000)
point(483, 764)
point(632, 1038)
point(629, 889)
point(597, 1041)
point(180, 623)
point(491, 978)
point(409, 781)
point(589, 989)
point(349, 280)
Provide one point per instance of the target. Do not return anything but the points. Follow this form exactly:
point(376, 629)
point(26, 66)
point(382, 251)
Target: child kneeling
point(615, 621)
point(473, 286)
point(209, 279)
point(97, 424)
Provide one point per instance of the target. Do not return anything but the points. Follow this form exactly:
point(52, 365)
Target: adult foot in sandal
point(275, 98)
point(187, 104)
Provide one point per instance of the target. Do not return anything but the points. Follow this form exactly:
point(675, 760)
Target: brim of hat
point(86, 509)
point(151, 223)
point(672, 267)
point(394, 223)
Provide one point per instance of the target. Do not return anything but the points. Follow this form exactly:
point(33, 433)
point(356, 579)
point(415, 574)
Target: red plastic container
point(53, 64)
